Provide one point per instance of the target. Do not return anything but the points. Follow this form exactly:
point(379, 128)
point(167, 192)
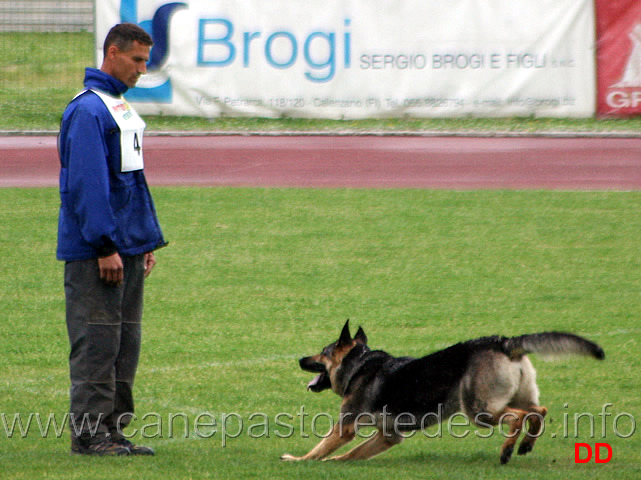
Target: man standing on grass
point(107, 233)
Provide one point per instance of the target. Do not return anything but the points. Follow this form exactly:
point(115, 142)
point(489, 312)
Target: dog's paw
point(506, 454)
point(290, 458)
point(525, 448)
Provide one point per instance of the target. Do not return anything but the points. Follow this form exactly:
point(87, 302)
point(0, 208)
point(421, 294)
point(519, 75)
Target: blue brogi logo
point(156, 85)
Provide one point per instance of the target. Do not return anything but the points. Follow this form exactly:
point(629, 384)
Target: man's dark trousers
point(104, 327)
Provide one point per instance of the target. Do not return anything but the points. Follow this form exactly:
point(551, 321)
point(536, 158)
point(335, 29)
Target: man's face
point(127, 66)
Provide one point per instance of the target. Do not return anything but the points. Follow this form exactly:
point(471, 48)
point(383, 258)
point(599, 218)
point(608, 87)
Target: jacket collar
point(99, 80)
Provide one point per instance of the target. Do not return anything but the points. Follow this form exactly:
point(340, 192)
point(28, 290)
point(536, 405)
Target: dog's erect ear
point(346, 337)
point(360, 336)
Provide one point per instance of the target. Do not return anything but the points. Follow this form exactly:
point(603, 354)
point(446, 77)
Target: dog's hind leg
point(527, 398)
point(371, 447)
point(514, 418)
point(535, 418)
point(340, 435)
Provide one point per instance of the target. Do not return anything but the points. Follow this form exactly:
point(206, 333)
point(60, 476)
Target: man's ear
point(112, 50)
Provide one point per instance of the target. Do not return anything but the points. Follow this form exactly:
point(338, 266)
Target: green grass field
point(41, 72)
point(255, 278)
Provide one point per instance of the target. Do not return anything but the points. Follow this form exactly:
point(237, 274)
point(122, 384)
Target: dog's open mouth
point(321, 381)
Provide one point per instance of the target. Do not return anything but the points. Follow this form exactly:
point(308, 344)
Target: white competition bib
point(131, 129)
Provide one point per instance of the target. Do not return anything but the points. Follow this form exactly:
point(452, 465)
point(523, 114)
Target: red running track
point(358, 162)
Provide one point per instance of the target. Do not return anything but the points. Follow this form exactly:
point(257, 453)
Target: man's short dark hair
point(123, 36)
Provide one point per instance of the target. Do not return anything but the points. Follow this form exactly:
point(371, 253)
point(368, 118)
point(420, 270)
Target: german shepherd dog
point(489, 379)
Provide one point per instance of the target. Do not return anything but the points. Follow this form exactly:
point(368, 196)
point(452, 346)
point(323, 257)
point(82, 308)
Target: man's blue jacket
point(102, 211)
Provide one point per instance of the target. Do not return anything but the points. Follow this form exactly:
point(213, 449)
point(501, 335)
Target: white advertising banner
point(362, 58)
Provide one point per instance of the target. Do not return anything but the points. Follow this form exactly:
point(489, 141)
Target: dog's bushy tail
point(552, 344)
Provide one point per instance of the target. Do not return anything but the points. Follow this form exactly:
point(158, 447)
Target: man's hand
point(111, 269)
point(150, 261)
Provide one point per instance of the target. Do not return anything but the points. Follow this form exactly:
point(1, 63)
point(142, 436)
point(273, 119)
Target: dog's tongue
point(314, 382)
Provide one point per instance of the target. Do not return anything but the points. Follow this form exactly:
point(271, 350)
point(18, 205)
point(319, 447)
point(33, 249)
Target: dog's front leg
point(373, 446)
point(340, 435)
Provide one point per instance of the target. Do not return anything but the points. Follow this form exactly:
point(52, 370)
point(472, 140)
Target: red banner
point(618, 57)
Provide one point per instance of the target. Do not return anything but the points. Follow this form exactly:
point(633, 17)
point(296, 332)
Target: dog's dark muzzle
point(309, 364)
point(320, 382)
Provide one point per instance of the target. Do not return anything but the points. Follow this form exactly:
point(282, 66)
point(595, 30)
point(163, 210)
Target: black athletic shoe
point(134, 449)
point(105, 448)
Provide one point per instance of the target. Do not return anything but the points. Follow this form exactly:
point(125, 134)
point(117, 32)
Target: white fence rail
point(46, 16)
